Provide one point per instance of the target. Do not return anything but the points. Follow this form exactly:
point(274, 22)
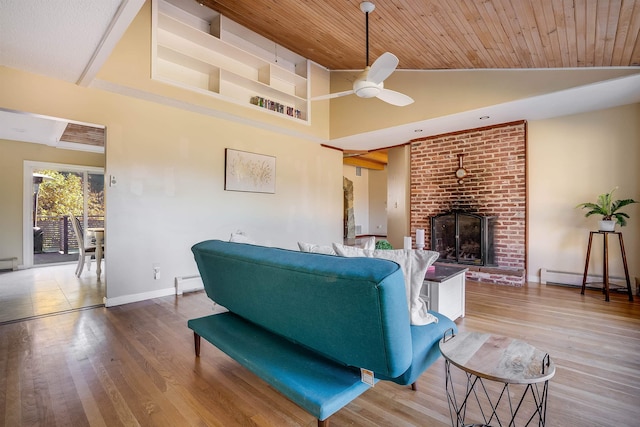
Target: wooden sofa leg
point(323, 423)
point(196, 342)
point(414, 386)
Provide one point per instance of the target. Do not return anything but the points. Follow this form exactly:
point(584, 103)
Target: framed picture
point(249, 172)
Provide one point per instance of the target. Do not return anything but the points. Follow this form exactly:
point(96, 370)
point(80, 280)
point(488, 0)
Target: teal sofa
point(308, 324)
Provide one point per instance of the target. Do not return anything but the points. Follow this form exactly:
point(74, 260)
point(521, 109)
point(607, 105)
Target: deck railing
point(55, 233)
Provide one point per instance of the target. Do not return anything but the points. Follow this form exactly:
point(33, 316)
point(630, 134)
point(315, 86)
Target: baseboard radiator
point(9, 263)
point(188, 284)
point(568, 278)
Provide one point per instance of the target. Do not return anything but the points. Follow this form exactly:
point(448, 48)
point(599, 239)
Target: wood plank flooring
point(134, 365)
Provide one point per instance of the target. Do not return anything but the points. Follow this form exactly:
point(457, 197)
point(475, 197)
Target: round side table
point(521, 371)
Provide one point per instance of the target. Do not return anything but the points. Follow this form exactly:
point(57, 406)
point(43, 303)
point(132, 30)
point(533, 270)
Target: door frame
point(27, 199)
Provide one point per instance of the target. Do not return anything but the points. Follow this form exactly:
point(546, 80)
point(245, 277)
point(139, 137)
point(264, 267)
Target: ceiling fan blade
point(332, 95)
point(382, 67)
point(395, 98)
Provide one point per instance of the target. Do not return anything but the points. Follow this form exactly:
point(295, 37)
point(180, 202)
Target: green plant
point(383, 244)
point(608, 208)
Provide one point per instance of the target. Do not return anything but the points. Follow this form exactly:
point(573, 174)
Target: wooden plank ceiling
point(83, 134)
point(461, 34)
point(376, 160)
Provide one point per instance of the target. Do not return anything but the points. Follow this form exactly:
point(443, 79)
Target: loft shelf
point(218, 57)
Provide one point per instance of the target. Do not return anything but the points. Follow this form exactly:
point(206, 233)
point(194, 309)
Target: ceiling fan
point(370, 83)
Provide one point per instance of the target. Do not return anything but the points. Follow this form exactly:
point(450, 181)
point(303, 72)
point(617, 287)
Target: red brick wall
point(494, 158)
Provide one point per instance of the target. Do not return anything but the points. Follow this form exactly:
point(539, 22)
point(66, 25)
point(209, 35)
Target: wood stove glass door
point(443, 238)
point(469, 239)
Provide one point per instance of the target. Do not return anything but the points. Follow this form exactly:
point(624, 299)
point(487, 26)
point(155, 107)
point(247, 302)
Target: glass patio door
point(57, 192)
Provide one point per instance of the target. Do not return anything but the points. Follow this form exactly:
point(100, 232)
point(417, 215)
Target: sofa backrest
point(352, 310)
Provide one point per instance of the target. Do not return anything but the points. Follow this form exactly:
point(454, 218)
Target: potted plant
point(609, 210)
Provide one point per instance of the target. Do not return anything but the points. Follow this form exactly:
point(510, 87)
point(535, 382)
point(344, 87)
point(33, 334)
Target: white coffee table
point(522, 371)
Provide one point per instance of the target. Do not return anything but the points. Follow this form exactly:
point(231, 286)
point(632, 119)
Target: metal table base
point(514, 401)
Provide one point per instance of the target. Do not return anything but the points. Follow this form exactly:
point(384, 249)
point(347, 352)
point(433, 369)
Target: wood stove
point(463, 238)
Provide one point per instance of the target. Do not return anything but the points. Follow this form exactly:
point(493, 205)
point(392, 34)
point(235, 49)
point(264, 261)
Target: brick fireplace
point(494, 186)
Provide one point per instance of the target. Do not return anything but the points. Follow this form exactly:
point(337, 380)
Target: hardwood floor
point(134, 365)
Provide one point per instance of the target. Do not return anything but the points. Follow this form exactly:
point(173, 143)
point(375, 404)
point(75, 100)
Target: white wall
point(360, 197)
point(571, 160)
point(170, 193)
point(369, 199)
point(169, 165)
point(378, 202)
point(398, 199)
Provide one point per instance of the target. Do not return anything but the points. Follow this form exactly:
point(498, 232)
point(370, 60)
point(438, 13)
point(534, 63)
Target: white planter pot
point(607, 225)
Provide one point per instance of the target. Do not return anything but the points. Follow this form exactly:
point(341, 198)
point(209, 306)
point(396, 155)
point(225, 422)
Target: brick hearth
point(495, 159)
point(495, 275)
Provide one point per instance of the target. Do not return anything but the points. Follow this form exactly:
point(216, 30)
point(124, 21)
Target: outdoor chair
point(86, 251)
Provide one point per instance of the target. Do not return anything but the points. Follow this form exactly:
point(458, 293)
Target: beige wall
point(398, 196)
point(169, 164)
point(170, 168)
point(572, 160)
point(14, 154)
point(128, 71)
point(440, 93)
point(165, 146)
point(166, 149)
point(378, 202)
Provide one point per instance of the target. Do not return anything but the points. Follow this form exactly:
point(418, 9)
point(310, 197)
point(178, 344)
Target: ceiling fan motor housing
point(367, 6)
point(367, 89)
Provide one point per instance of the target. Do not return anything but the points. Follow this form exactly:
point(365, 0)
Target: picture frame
point(249, 172)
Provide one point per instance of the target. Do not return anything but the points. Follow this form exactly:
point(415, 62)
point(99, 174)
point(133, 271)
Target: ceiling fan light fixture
point(368, 92)
point(367, 89)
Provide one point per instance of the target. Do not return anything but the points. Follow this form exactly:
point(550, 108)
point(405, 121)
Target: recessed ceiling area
point(376, 160)
point(51, 131)
point(581, 99)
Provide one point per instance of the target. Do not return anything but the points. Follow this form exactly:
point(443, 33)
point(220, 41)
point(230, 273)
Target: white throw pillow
point(369, 243)
point(316, 249)
point(241, 238)
point(414, 264)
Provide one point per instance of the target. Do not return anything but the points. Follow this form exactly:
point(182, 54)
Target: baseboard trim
point(127, 299)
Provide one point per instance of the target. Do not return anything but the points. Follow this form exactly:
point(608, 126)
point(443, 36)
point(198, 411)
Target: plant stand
point(605, 268)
